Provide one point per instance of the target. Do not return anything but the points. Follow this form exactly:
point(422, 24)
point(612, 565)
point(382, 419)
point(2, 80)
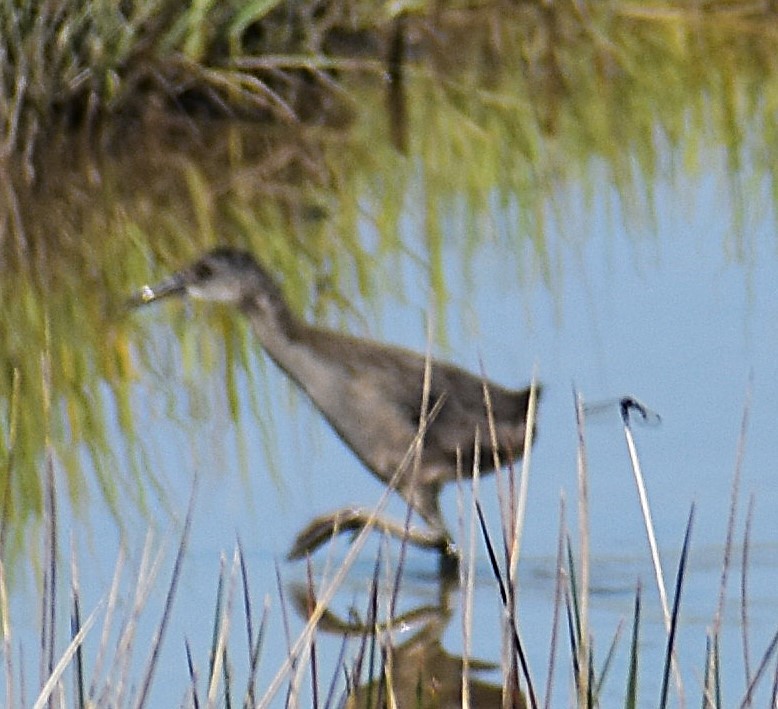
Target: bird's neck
point(295, 347)
point(272, 321)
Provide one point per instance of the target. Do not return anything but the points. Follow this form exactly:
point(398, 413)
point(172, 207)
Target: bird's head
point(223, 275)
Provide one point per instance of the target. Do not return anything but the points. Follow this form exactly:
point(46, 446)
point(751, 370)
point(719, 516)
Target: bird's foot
point(325, 527)
point(321, 529)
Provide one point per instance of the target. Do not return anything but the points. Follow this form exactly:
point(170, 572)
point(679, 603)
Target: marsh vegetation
point(136, 135)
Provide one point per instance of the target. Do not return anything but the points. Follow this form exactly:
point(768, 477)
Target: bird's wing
point(465, 411)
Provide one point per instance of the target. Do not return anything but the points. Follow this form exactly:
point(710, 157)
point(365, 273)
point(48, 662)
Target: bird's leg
point(324, 528)
point(425, 500)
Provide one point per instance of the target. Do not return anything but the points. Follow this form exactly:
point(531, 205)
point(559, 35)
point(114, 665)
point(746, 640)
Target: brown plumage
point(370, 393)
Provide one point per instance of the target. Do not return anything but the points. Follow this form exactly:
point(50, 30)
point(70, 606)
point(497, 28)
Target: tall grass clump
point(74, 66)
point(373, 668)
point(572, 600)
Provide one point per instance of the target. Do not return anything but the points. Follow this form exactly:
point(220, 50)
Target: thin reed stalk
point(630, 701)
point(652, 544)
point(75, 627)
point(559, 584)
point(733, 497)
point(711, 688)
point(255, 652)
point(744, 566)
point(572, 608)
point(314, 665)
point(521, 505)
point(156, 643)
point(218, 614)
point(147, 572)
point(285, 622)
point(516, 644)
point(670, 653)
point(219, 651)
point(252, 645)
point(329, 591)
point(190, 666)
point(339, 662)
point(51, 683)
point(416, 466)
point(582, 610)
point(648, 522)
point(596, 690)
point(113, 596)
point(774, 693)
point(748, 697)
point(467, 571)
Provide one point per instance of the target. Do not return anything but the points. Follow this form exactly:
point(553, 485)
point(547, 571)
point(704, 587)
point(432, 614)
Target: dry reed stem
point(113, 596)
point(156, 642)
point(467, 576)
point(303, 640)
point(734, 495)
point(224, 631)
point(653, 547)
point(760, 670)
point(558, 598)
point(147, 572)
point(744, 621)
point(583, 527)
point(56, 674)
point(529, 432)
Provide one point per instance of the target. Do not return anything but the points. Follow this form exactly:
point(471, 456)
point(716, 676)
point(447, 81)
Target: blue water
point(679, 312)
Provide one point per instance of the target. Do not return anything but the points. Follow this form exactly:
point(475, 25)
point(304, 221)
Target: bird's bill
point(175, 285)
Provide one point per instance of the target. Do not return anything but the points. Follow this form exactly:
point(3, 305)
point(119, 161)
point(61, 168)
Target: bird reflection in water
point(423, 672)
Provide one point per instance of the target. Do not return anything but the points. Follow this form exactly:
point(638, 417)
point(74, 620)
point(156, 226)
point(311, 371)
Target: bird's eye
point(203, 271)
